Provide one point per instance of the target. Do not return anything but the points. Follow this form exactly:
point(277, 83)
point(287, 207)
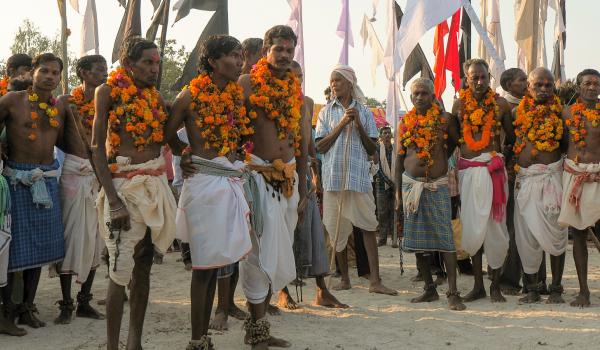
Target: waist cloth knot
point(498, 174)
point(34, 179)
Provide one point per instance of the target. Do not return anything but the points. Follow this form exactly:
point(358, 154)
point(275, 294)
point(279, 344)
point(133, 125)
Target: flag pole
point(95, 18)
point(163, 39)
point(62, 7)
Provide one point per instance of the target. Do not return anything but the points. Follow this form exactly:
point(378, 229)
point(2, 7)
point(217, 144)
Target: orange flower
point(32, 136)
point(474, 116)
point(114, 167)
point(538, 124)
point(4, 85)
point(48, 107)
point(85, 109)
point(580, 113)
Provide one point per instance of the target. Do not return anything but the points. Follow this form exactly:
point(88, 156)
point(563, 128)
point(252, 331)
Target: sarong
point(213, 216)
point(310, 250)
point(4, 228)
point(479, 227)
point(145, 191)
point(270, 265)
point(37, 228)
point(427, 215)
point(581, 200)
point(538, 195)
point(78, 194)
point(358, 209)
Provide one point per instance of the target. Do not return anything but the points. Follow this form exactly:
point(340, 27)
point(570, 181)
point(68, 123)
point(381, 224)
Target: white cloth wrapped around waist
point(551, 185)
point(411, 198)
point(81, 167)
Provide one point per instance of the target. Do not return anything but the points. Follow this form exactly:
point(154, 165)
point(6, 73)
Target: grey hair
point(539, 71)
point(425, 82)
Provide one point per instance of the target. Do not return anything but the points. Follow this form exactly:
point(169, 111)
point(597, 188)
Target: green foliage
point(373, 103)
point(173, 61)
point(30, 40)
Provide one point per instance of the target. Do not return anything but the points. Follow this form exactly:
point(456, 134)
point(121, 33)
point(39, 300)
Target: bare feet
point(555, 298)
point(496, 295)
point(510, 290)
point(273, 310)
point(286, 301)
point(219, 322)
point(455, 302)
point(326, 299)
point(7, 327)
point(379, 288)
point(475, 294)
point(188, 266)
point(272, 342)
point(439, 280)
point(236, 312)
point(343, 285)
point(531, 298)
point(429, 295)
point(582, 300)
point(66, 312)
point(27, 316)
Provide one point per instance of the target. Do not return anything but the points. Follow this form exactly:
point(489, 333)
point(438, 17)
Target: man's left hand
point(187, 167)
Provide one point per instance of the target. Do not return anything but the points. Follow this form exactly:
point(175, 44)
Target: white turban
point(348, 73)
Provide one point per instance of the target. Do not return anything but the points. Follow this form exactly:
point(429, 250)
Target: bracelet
point(116, 210)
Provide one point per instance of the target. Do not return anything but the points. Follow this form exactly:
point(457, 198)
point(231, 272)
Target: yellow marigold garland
point(222, 116)
point(137, 110)
point(4, 85)
point(421, 132)
point(476, 117)
point(577, 126)
point(49, 109)
point(281, 99)
point(540, 124)
point(86, 110)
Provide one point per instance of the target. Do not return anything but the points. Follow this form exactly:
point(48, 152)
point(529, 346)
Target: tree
point(172, 66)
point(30, 40)
point(373, 103)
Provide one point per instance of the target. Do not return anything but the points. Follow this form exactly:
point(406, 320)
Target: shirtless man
point(538, 188)
point(278, 149)
point(581, 180)
point(482, 175)
point(34, 122)
point(135, 200)
point(422, 189)
point(310, 250)
point(212, 215)
point(252, 51)
point(514, 83)
point(79, 189)
point(17, 66)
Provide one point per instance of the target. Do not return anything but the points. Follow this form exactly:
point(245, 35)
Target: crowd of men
point(519, 172)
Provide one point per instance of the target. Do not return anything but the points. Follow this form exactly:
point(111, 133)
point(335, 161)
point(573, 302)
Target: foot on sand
point(429, 294)
point(379, 288)
point(581, 300)
point(236, 312)
point(455, 301)
point(286, 301)
point(219, 322)
point(273, 310)
point(496, 295)
point(343, 285)
point(532, 297)
point(326, 299)
point(475, 294)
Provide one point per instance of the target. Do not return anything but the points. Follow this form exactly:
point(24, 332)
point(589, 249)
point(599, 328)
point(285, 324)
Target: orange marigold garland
point(4, 85)
point(540, 124)
point(137, 110)
point(281, 99)
point(421, 131)
point(577, 129)
point(49, 109)
point(222, 116)
point(476, 118)
point(86, 109)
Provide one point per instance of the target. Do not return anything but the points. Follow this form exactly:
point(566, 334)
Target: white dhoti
point(83, 242)
point(538, 195)
point(581, 200)
point(145, 191)
point(270, 265)
point(479, 228)
point(212, 215)
point(358, 209)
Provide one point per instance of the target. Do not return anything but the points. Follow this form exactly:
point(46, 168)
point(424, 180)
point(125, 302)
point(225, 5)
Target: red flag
point(452, 59)
point(439, 68)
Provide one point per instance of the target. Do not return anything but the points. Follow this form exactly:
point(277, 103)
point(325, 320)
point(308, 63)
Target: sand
point(373, 321)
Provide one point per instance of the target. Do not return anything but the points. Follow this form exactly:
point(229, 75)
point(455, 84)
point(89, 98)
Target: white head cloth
point(348, 73)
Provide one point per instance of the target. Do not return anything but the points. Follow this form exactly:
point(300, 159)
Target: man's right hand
point(187, 167)
point(120, 220)
point(349, 116)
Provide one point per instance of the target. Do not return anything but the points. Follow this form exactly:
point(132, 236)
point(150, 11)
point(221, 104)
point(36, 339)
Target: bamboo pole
point(62, 7)
point(163, 40)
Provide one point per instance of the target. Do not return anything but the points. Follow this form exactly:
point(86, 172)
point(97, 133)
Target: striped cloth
point(37, 231)
point(429, 228)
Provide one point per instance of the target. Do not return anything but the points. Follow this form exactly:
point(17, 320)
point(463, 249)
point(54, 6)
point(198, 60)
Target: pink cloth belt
point(131, 174)
point(577, 189)
point(496, 169)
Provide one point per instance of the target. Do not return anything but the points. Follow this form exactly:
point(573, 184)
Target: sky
point(251, 18)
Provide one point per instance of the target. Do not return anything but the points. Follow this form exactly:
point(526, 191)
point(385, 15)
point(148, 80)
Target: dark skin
point(77, 142)
point(269, 147)
point(588, 90)
point(422, 98)
point(144, 72)
point(478, 81)
point(342, 89)
point(541, 89)
point(323, 296)
point(15, 114)
point(518, 86)
point(224, 70)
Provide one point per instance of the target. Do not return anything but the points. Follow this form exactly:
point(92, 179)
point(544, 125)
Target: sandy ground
point(373, 321)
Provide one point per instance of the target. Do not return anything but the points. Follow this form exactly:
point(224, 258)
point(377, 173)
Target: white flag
point(89, 30)
point(369, 37)
point(491, 22)
point(419, 17)
point(295, 22)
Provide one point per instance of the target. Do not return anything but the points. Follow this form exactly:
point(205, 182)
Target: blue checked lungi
point(37, 231)
point(429, 228)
